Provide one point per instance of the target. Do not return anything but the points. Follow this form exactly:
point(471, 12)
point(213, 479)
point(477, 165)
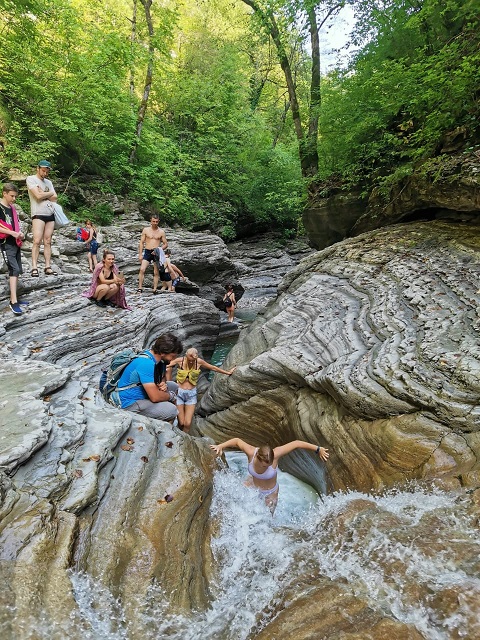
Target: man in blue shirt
point(151, 396)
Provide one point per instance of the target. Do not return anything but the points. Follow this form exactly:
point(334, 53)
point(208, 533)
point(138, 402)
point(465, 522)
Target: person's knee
point(47, 241)
point(169, 413)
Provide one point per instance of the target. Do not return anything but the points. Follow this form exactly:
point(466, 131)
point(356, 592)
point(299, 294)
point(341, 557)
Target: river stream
point(412, 555)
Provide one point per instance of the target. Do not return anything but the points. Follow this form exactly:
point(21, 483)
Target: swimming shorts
point(149, 255)
point(50, 218)
point(165, 276)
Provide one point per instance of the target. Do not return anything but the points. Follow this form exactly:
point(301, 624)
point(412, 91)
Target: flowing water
point(411, 555)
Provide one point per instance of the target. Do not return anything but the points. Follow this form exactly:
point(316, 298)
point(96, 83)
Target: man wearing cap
point(42, 194)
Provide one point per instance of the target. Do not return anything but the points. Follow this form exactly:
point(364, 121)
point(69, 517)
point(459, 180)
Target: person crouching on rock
point(108, 286)
point(263, 464)
point(188, 372)
point(145, 387)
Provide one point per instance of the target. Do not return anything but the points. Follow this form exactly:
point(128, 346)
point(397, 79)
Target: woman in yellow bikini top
point(184, 373)
point(188, 371)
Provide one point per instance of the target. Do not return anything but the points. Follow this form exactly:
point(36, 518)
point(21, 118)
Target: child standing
point(11, 238)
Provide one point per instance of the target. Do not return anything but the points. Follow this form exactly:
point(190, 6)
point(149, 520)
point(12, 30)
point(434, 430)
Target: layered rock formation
point(446, 186)
point(86, 484)
point(117, 496)
point(371, 350)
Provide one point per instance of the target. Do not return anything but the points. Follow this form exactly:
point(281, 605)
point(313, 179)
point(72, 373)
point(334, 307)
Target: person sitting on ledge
point(263, 463)
point(107, 288)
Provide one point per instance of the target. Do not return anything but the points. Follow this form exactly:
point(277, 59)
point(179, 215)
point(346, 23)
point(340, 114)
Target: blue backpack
point(109, 379)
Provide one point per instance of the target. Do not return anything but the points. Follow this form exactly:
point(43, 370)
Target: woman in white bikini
point(263, 463)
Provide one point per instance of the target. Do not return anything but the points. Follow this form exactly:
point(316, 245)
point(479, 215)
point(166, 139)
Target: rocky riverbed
point(370, 349)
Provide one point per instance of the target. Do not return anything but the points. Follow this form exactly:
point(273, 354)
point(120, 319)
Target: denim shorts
point(186, 396)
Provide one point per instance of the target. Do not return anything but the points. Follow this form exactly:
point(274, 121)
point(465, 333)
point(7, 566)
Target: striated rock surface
point(444, 187)
point(372, 350)
point(261, 262)
point(122, 500)
point(89, 493)
point(107, 525)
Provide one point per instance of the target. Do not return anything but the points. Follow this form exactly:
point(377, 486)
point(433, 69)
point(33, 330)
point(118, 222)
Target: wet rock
point(370, 351)
point(26, 423)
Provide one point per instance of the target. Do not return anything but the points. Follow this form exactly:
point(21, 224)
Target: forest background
point(214, 114)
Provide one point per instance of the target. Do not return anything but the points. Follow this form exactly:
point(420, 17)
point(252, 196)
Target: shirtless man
point(152, 237)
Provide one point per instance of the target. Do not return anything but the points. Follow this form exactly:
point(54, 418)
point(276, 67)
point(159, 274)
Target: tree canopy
point(214, 113)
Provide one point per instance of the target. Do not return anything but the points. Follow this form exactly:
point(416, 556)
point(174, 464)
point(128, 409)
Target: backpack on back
point(109, 379)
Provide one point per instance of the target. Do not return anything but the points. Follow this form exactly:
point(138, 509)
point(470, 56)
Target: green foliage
point(415, 79)
point(204, 158)
point(99, 214)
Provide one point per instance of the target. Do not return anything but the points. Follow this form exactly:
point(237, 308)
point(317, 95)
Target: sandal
point(139, 290)
point(49, 271)
point(155, 292)
point(34, 273)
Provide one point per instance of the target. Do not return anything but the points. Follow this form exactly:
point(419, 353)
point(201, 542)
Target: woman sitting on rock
point(108, 286)
point(263, 463)
point(188, 372)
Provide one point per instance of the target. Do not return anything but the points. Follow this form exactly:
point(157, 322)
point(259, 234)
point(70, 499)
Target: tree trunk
point(307, 142)
point(307, 156)
point(133, 37)
point(148, 80)
point(310, 152)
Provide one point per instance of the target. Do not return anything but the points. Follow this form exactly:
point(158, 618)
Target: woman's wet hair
point(167, 343)
point(88, 222)
point(229, 287)
point(168, 252)
point(192, 350)
point(265, 453)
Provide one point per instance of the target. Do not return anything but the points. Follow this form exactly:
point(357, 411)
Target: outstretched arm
point(233, 443)
point(212, 367)
point(177, 271)
point(170, 365)
point(278, 452)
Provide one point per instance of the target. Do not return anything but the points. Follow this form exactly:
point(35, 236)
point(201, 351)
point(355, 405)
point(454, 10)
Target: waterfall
point(409, 554)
